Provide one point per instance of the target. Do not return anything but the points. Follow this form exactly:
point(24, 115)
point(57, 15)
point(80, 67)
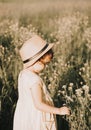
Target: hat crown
point(31, 47)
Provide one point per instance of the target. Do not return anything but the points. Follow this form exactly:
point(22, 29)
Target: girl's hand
point(64, 110)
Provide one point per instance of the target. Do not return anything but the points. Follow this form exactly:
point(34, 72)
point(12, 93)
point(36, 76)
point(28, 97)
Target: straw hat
point(33, 49)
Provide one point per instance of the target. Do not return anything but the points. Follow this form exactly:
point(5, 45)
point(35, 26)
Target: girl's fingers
point(64, 111)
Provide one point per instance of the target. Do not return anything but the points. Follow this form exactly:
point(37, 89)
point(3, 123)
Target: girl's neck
point(30, 68)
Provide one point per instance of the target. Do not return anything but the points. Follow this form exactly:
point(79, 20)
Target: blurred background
point(67, 24)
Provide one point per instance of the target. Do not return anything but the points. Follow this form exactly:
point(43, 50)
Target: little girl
point(35, 109)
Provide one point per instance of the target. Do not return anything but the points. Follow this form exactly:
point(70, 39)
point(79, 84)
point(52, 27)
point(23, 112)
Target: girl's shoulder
point(31, 78)
point(27, 74)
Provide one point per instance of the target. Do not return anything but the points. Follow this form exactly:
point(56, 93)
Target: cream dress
point(27, 116)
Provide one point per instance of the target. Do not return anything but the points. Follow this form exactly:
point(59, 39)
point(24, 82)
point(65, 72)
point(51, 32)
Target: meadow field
point(67, 24)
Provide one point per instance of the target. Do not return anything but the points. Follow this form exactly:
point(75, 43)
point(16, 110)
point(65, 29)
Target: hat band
point(31, 58)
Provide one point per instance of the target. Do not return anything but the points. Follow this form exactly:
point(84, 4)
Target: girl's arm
point(39, 104)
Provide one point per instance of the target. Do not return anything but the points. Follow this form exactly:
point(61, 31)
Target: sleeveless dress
point(27, 116)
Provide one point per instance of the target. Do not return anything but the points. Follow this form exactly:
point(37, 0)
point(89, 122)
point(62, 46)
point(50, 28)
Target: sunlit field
point(67, 24)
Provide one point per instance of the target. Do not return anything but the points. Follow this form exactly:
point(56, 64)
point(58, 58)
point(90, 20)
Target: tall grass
point(68, 76)
point(33, 7)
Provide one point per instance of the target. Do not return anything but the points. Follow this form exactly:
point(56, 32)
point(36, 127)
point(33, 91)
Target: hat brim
point(31, 62)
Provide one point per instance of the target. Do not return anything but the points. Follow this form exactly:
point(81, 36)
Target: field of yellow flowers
point(68, 76)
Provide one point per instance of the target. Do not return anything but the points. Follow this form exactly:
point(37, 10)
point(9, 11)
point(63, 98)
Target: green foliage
point(10, 65)
point(68, 76)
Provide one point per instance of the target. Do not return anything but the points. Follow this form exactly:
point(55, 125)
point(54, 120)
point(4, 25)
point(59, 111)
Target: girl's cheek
point(38, 67)
point(46, 59)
